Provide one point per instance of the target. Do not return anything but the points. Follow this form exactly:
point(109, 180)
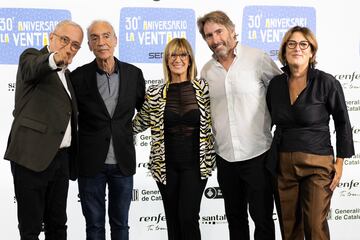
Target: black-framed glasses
point(291, 44)
point(182, 56)
point(65, 40)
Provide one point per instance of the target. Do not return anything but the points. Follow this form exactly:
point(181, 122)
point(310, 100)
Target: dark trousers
point(243, 184)
point(181, 198)
point(304, 195)
point(93, 194)
point(41, 199)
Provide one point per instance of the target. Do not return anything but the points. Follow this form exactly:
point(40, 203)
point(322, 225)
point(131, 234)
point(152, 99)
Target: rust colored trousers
point(303, 195)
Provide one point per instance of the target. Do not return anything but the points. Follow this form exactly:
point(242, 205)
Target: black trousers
point(181, 198)
point(247, 184)
point(41, 199)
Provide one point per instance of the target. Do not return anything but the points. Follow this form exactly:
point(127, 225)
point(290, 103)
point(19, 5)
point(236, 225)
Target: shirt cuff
point(52, 63)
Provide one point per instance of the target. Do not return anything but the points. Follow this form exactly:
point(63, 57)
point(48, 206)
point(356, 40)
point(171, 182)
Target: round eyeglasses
point(182, 56)
point(65, 40)
point(291, 44)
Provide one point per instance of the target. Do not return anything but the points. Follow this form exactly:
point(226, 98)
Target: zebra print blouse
point(152, 116)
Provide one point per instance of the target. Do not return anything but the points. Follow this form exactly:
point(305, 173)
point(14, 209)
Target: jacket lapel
point(162, 100)
point(55, 74)
point(198, 94)
point(123, 84)
point(71, 90)
point(92, 84)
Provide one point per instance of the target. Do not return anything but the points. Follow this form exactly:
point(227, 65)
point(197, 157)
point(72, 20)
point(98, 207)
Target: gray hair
point(96, 22)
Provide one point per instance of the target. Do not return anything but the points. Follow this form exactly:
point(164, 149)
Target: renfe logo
point(349, 185)
point(264, 26)
point(144, 32)
point(21, 28)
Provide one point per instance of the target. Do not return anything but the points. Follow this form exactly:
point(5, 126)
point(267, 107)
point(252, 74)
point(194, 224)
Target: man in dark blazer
point(108, 92)
point(43, 140)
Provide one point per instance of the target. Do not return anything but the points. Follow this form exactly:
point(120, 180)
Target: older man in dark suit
point(108, 92)
point(42, 142)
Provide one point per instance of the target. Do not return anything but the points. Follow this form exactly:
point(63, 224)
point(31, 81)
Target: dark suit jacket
point(97, 127)
point(42, 112)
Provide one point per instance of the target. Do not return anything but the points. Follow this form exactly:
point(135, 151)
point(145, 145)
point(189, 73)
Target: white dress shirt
point(241, 120)
point(66, 141)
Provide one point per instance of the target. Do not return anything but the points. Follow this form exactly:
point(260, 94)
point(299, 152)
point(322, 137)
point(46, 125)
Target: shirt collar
point(101, 72)
point(311, 71)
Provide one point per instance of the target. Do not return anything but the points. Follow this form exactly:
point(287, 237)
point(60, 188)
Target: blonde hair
point(174, 46)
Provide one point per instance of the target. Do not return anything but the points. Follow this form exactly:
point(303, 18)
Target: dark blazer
point(42, 112)
point(97, 127)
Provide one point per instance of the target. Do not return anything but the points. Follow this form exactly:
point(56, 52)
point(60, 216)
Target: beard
point(222, 52)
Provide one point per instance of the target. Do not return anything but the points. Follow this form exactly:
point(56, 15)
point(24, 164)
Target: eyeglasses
point(182, 56)
point(291, 44)
point(65, 40)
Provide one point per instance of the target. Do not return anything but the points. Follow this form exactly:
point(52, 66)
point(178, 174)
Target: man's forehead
point(98, 33)
point(214, 26)
point(67, 27)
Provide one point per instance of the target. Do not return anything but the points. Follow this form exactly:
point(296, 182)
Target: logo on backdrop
point(356, 133)
point(135, 195)
point(349, 189)
point(144, 140)
point(150, 195)
point(213, 192)
point(264, 26)
point(144, 32)
point(349, 80)
point(11, 87)
point(354, 160)
point(214, 219)
point(144, 166)
point(344, 214)
point(21, 28)
point(353, 105)
point(154, 81)
point(154, 223)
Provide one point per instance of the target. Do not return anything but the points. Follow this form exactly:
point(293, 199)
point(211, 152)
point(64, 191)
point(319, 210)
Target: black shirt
point(182, 123)
point(304, 126)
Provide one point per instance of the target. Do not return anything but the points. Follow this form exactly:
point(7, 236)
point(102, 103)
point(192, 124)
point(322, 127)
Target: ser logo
point(273, 53)
point(156, 55)
point(213, 192)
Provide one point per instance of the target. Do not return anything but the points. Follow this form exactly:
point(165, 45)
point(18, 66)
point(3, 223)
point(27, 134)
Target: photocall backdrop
point(143, 29)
